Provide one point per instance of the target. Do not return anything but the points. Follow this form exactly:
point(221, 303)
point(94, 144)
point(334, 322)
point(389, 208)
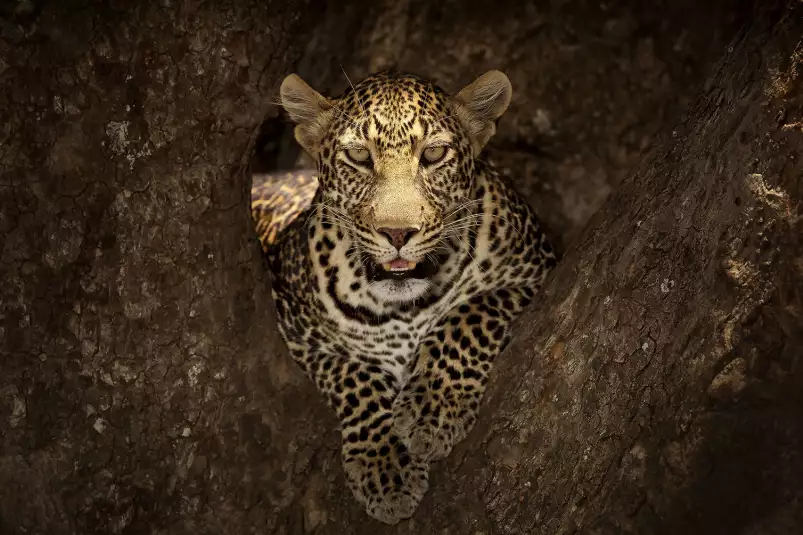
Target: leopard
point(398, 266)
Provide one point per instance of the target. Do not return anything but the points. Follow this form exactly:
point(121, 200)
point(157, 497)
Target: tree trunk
point(655, 387)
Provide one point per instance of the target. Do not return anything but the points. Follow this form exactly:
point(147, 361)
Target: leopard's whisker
point(356, 96)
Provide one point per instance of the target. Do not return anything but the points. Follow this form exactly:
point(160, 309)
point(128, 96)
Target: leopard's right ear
point(481, 103)
point(310, 110)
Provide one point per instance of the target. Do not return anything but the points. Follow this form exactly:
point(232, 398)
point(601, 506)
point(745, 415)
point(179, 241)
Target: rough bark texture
point(138, 385)
point(657, 387)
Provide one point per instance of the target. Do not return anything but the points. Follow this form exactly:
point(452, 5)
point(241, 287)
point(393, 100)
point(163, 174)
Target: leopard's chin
point(401, 281)
point(399, 291)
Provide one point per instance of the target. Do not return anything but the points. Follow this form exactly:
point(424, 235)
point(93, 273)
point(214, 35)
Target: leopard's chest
point(392, 344)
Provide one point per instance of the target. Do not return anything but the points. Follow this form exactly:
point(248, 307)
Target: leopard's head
point(395, 157)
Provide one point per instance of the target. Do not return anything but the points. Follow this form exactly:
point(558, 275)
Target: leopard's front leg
point(438, 406)
point(380, 472)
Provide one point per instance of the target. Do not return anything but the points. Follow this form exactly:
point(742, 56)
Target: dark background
point(595, 83)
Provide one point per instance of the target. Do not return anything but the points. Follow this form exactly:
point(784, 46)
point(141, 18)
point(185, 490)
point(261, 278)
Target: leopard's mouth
point(400, 269)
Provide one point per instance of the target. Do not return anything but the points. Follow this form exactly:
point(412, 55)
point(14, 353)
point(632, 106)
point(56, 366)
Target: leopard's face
point(395, 160)
point(394, 166)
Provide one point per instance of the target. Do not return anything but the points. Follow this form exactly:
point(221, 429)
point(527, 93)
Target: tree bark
point(137, 384)
point(656, 386)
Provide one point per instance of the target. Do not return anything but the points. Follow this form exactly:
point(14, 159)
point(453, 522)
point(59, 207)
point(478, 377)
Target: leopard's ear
point(310, 110)
point(481, 103)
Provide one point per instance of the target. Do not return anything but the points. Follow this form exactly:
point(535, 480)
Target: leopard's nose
point(398, 237)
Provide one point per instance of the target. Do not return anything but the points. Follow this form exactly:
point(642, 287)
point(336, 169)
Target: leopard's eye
point(362, 156)
point(434, 154)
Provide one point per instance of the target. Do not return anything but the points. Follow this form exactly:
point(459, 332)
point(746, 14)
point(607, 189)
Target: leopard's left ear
point(481, 103)
point(310, 110)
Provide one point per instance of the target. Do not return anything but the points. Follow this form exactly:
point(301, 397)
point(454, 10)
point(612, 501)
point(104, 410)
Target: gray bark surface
point(656, 387)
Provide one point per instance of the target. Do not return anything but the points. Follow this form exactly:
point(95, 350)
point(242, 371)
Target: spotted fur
point(403, 363)
point(278, 199)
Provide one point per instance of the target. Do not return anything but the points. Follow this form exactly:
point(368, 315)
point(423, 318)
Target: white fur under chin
point(400, 291)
